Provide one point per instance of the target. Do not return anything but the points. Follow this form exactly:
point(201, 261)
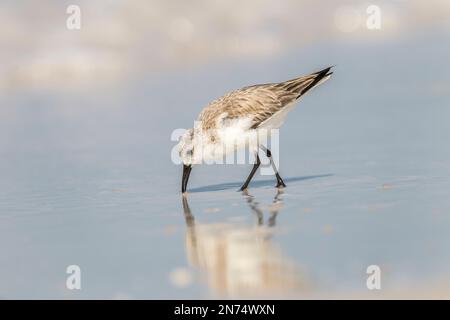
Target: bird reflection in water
point(242, 260)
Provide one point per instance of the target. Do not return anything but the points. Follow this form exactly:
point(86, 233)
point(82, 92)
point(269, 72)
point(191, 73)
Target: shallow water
point(87, 180)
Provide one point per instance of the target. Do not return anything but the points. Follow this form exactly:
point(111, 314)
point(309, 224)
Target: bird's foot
point(280, 184)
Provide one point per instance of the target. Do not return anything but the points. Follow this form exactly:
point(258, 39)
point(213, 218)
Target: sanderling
point(232, 120)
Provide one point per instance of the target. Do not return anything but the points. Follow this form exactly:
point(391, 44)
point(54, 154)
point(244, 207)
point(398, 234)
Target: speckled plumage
point(259, 102)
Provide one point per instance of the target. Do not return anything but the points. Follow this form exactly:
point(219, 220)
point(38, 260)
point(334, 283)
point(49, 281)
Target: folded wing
point(259, 102)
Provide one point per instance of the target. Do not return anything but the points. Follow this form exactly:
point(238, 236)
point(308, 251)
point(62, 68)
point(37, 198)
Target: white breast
point(229, 138)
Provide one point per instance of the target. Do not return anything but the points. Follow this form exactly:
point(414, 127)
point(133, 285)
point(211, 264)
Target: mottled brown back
point(259, 102)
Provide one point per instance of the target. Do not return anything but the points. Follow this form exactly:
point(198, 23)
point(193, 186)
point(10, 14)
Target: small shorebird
point(232, 120)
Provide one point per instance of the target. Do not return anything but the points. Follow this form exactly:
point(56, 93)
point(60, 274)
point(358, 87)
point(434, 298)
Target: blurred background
point(86, 117)
point(119, 40)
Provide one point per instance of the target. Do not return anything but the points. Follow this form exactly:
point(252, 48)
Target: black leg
point(252, 173)
point(280, 182)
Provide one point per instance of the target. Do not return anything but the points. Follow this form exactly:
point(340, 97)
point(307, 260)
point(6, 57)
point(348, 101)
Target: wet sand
point(87, 180)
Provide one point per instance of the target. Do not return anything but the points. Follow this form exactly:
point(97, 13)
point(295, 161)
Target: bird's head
point(186, 150)
point(186, 147)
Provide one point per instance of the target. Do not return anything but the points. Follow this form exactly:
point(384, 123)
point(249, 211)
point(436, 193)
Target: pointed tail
point(316, 79)
point(301, 85)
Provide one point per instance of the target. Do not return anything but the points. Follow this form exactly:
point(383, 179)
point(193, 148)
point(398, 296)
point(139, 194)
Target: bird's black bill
point(186, 172)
